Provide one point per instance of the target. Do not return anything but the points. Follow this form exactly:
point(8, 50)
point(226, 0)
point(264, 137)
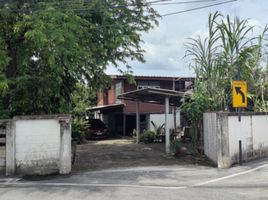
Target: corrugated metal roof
point(152, 77)
point(106, 107)
point(154, 95)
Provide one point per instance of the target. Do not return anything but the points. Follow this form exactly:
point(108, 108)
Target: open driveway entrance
point(174, 182)
point(123, 153)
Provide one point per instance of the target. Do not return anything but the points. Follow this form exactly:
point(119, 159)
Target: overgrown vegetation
point(231, 45)
point(79, 126)
point(82, 98)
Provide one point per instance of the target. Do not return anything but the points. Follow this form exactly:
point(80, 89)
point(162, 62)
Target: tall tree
point(47, 47)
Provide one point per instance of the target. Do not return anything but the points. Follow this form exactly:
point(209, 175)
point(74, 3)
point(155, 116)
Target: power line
point(157, 1)
point(41, 4)
point(183, 2)
point(4, 2)
point(90, 10)
point(151, 3)
point(197, 8)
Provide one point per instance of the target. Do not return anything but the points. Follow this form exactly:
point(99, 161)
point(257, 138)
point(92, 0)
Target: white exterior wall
point(260, 134)
point(239, 131)
point(159, 119)
point(210, 136)
point(37, 144)
point(252, 130)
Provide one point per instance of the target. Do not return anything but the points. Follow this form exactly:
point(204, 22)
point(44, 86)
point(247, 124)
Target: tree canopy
point(48, 47)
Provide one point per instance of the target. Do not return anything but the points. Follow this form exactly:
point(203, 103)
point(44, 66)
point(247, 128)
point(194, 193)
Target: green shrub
point(148, 136)
point(79, 127)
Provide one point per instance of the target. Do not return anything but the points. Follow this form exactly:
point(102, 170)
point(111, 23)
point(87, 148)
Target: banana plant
point(159, 130)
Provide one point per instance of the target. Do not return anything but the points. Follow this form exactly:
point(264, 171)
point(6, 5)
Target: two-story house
point(119, 115)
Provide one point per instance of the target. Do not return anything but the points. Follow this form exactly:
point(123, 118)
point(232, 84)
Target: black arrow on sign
point(238, 91)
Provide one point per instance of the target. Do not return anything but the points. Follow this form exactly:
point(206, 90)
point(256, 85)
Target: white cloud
point(255, 23)
point(165, 44)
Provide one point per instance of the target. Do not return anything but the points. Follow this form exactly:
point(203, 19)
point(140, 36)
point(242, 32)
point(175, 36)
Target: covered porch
point(156, 96)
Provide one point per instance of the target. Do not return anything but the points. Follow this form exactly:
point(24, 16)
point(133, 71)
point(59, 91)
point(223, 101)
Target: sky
point(165, 44)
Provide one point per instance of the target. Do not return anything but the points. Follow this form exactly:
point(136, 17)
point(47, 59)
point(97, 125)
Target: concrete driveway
point(122, 153)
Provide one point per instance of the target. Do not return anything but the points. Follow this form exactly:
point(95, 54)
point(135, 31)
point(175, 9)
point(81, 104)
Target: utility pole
point(174, 106)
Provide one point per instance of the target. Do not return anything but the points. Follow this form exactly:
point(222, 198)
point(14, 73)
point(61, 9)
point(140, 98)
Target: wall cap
point(37, 117)
point(242, 113)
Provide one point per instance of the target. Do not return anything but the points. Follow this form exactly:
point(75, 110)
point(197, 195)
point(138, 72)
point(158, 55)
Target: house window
point(118, 91)
point(147, 84)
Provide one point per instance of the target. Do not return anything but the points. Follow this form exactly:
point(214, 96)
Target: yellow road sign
point(239, 93)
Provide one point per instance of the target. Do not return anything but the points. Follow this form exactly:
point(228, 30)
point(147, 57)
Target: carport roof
point(107, 107)
point(154, 95)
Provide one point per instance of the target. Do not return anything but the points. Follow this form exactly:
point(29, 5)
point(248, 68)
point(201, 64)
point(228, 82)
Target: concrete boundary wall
point(38, 144)
point(222, 132)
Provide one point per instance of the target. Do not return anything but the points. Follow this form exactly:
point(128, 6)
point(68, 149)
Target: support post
point(174, 107)
point(124, 125)
point(65, 165)
point(240, 152)
point(10, 148)
point(167, 140)
point(174, 118)
point(137, 121)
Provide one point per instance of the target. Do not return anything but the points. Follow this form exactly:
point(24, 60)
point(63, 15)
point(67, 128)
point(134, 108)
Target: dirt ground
point(122, 153)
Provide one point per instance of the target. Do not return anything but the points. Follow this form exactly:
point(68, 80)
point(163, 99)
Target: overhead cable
point(197, 8)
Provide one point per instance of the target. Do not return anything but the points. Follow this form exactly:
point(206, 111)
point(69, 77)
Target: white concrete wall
point(252, 130)
point(159, 119)
point(239, 131)
point(210, 136)
point(37, 144)
point(260, 135)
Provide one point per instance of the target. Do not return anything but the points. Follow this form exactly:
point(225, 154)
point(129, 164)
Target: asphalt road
point(151, 183)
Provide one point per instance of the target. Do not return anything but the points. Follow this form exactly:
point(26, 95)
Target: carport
point(156, 96)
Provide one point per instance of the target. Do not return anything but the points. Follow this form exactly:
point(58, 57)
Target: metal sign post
point(239, 94)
